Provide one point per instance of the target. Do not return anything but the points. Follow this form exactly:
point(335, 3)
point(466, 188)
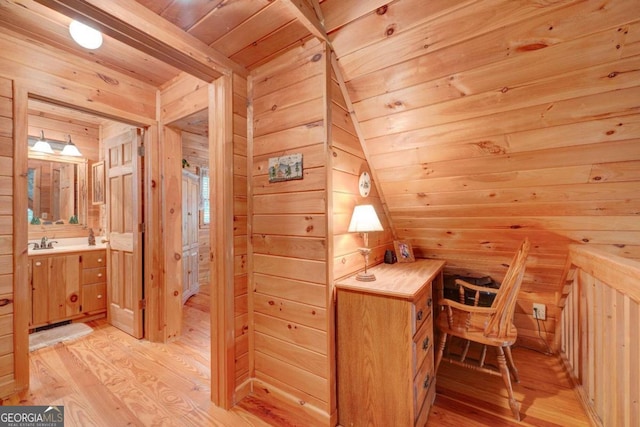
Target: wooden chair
point(490, 326)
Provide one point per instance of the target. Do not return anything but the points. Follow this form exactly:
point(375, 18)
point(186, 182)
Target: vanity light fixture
point(41, 145)
point(85, 36)
point(70, 148)
point(364, 220)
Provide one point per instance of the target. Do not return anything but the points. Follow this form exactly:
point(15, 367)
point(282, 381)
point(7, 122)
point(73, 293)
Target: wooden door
point(123, 167)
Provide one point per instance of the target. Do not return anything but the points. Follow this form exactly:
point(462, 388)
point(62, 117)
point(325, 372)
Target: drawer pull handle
point(38, 264)
point(99, 274)
point(429, 302)
point(426, 382)
point(100, 296)
point(419, 315)
point(99, 259)
point(425, 344)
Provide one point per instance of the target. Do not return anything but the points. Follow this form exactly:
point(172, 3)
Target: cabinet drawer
point(423, 380)
point(94, 297)
point(94, 275)
point(422, 343)
point(421, 309)
point(94, 259)
point(423, 415)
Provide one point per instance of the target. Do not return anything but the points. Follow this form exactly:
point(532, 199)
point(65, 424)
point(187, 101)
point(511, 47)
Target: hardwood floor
point(110, 379)
point(545, 392)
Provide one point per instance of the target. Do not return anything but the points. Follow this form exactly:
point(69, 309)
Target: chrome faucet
point(43, 243)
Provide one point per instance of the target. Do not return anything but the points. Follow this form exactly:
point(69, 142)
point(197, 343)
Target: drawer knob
point(38, 263)
point(419, 315)
point(99, 274)
point(429, 302)
point(100, 296)
point(99, 259)
point(425, 344)
point(426, 381)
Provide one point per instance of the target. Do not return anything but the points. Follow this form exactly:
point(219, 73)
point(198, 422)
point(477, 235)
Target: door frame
point(155, 286)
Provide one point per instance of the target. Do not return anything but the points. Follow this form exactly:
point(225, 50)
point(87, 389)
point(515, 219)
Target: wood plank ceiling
point(483, 121)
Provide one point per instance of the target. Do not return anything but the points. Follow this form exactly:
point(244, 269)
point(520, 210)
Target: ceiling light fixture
point(70, 149)
point(42, 146)
point(85, 36)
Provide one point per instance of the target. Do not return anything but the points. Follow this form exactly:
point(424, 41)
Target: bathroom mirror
point(56, 190)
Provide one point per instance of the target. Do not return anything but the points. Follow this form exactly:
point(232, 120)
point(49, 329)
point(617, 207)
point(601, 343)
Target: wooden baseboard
point(242, 391)
point(277, 399)
point(583, 396)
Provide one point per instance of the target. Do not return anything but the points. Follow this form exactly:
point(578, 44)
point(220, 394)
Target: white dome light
point(85, 36)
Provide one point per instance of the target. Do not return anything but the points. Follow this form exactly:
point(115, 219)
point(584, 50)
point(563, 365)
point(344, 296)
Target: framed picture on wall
point(404, 251)
point(97, 183)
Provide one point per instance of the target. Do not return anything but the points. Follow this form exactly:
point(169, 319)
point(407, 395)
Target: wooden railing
point(600, 334)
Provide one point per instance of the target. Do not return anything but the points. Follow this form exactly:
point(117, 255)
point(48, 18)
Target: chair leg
point(463, 356)
point(512, 366)
point(440, 351)
point(483, 355)
point(506, 377)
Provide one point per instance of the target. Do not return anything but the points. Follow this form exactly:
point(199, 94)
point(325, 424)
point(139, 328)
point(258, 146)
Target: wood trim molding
point(307, 16)
point(20, 227)
point(130, 22)
point(221, 237)
point(621, 274)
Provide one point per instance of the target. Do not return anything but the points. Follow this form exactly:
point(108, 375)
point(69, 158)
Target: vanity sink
point(71, 244)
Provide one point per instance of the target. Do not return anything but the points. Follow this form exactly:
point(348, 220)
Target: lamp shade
point(70, 149)
point(364, 219)
point(42, 146)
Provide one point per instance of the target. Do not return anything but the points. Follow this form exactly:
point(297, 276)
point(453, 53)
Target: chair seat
point(475, 331)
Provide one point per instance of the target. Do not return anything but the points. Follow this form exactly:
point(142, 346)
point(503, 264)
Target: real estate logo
point(31, 416)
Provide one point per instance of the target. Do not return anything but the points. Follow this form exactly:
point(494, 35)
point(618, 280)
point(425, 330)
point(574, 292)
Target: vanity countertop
point(66, 245)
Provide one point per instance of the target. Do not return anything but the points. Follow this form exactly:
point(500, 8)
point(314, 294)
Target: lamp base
point(365, 277)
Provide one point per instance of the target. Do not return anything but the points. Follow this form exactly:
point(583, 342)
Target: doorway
point(61, 209)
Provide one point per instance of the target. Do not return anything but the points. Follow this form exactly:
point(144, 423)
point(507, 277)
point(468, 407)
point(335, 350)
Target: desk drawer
point(422, 343)
point(421, 309)
point(423, 380)
point(94, 275)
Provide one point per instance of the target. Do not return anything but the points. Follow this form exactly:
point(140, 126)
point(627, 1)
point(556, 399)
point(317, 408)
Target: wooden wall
point(347, 163)
point(7, 369)
point(240, 238)
point(489, 121)
point(289, 255)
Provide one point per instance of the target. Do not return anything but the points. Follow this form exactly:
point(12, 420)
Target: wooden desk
point(385, 345)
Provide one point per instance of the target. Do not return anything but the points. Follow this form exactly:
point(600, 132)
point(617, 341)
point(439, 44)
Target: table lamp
point(364, 220)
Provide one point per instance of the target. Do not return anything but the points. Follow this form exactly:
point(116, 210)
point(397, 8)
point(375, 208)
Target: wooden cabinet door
point(64, 286)
point(123, 168)
point(55, 288)
point(39, 291)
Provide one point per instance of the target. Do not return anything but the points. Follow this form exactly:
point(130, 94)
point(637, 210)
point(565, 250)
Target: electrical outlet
point(539, 311)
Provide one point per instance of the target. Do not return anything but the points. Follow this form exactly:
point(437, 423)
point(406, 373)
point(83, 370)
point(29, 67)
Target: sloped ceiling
point(484, 122)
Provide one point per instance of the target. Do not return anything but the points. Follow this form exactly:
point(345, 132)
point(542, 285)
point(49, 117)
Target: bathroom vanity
point(67, 282)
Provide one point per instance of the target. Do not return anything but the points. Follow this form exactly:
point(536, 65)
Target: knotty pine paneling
point(484, 127)
point(289, 242)
point(347, 163)
point(240, 214)
point(66, 78)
